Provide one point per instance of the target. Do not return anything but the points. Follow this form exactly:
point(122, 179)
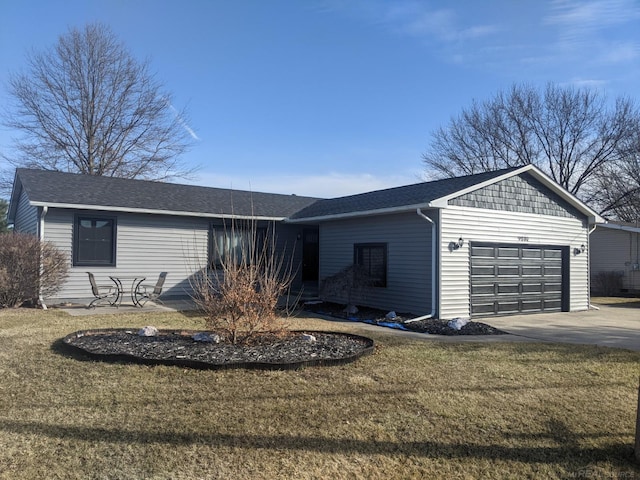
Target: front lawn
point(414, 409)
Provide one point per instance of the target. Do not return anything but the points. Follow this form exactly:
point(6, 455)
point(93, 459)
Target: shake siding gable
point(521, 193)
point(408, 240)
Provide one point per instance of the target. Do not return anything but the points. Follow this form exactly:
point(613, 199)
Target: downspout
point(589, 232)
point(45, 209)
point(433, 270)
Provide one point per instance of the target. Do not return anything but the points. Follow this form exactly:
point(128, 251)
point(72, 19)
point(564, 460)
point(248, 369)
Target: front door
point(310, 254)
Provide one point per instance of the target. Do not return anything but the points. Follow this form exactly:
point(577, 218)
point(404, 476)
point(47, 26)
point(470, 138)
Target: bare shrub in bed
point(239, 289)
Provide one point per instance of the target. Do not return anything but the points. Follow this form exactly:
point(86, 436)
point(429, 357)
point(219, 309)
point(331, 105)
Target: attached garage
point(496, 243)
point(510, 279)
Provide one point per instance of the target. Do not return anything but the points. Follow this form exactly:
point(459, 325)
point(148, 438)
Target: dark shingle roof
point(409, 195)
point(49, 187)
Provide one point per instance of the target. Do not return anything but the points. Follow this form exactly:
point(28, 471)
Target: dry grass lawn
point(414, 409)
point(633, 302)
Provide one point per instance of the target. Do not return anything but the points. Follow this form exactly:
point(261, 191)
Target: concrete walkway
point(610, 326)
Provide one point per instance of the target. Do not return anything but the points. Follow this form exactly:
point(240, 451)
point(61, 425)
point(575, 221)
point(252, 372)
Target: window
point(94, 241)
point(237, 242)
point(373, 258)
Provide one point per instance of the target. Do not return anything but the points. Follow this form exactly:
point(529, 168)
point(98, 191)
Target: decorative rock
point(391, 315)
point(148, 331)
point(308, 338)
point(457, 323)
point(206, 337)
point(351, 309)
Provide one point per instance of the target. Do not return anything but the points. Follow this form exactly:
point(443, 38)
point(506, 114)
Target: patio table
point(135, 281)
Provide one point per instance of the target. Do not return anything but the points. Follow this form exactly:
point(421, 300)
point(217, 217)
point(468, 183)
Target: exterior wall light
point(578, 251)
point(456, 245)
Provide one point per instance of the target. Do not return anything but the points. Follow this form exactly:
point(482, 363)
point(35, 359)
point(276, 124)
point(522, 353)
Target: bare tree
point(4, 208)
point(569, 133)
point(619, 185)
point(87, 106)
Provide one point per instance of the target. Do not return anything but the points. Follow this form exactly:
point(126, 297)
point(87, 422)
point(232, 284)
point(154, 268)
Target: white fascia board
point(443, 202)
point(615, 226)
point(365, 213)
point(107, 208)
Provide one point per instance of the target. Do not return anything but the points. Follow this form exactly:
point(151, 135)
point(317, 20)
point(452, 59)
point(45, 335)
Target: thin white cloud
point(413, 18)
point(592, 15)
point(586, 83)
point(442, 25)
point(621, 53)
point(580, 23)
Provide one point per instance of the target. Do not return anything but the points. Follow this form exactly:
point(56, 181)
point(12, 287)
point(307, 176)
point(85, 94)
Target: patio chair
point(144, 293)
point(109, 293)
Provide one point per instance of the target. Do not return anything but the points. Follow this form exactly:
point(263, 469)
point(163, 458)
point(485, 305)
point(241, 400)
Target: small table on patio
point(135, 281)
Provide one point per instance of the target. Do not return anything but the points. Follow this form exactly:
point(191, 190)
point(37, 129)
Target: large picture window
point(235, 243)
point(372, 257)
point(94, 241)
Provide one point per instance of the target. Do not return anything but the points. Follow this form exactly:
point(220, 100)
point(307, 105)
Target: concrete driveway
point(610, 326)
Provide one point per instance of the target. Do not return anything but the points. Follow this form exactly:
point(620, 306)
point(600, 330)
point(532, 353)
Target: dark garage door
point(510, 279)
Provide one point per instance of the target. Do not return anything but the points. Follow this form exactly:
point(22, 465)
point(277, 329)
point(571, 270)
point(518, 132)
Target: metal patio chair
point(144, 293)
point(109, 293)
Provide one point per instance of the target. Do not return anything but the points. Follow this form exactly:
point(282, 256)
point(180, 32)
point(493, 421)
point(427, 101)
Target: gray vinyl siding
point(408, 239)
point(26, 219)
point(487, 225)
point(146, 245)
point(616, 251)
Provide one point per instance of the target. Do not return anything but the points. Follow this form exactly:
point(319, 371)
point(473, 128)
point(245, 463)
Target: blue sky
point(333, 97)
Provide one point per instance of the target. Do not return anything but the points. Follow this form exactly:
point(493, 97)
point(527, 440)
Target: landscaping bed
point(379, 317)
point(177, 347)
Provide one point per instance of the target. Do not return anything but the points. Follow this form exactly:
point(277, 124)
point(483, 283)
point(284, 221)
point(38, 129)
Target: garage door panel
point(508, 270)
point(552, 271)
point(510, 279)
point(483, 270)
point(478, 252)
point(507, 252)
point(532, 253)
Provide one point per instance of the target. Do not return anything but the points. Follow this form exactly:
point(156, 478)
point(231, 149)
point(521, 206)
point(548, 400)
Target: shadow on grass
point(569, 453)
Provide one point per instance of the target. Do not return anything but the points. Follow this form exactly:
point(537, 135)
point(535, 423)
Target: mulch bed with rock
point(291, 350)
point(397, 320)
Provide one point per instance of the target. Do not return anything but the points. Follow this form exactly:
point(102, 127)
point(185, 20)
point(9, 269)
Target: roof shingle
point(409, 195)
point(49, 187)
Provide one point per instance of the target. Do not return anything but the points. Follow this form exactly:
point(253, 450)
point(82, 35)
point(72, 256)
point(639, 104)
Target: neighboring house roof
point(67, 190)
point(426, 195)
point(627, 227)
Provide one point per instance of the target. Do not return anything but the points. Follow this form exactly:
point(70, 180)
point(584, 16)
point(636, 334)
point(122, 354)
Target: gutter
point(108, 208)
point(433, 270)
point(615, 226)
point(45, 209)
point(363, 213)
